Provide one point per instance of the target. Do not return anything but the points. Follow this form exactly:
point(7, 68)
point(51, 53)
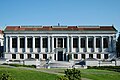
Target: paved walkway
point(41, 70)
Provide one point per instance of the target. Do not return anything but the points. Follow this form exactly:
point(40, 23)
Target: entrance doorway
point(60, 55)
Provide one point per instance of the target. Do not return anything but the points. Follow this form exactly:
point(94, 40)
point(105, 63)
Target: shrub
point(6, 76)
point(62, 78)
point(110, 68)
point(20, 65)
point(73, 74)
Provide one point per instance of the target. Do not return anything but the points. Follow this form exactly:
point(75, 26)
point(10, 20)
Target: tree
point(118, 46)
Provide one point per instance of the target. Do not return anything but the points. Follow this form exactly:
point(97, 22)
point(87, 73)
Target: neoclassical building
point(57, 42)
point(1, 43)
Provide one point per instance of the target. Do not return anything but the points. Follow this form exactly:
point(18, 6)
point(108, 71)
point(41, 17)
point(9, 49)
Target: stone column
point(79, 43)
point(102, 43)
point(48, 43)
point(86, 43)
point(52, 44)
point(6, 43)
point(56, 42)
point(33, 43)
point(114, 44)
point(41, 44)
point(63, 42)
point(18, 44)
point(10, 44)
point(71, 44)
point(25, 43)
point(94, 43)
point(109, 44)
point(68, 44)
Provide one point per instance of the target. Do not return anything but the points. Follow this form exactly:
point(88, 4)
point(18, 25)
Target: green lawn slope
point(93, 74)
point(21, 74)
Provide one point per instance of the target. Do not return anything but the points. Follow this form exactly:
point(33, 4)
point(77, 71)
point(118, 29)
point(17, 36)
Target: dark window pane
point(13, 56)
point(105, 42)
point(90, 42)
point(14, 42)
point(97, 42)
point(60, 42)
point(22, 42)
point(37, 42)
point(21, 56)
point(106, 56)
point(45, 42)
point(98, 56)
point(37, 56)
point(54, 42)
point(83, 56)
point(83, 42)
point(90, 55)
point(29, 42)
point(75, 42)
point(75, 56)
point(29, 56)
point(65, 42)
point(44, 56)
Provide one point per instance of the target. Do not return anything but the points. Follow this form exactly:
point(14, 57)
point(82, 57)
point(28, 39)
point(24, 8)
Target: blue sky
point(65, 12)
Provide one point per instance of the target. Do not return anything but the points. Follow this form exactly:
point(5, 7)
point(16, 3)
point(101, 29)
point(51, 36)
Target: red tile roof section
point(69, 28)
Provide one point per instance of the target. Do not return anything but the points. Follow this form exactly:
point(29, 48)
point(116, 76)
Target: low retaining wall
point(3, 61)
point(31, 62)
point(102, 63)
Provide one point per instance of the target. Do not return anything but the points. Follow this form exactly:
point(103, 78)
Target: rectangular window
point(90, 42)
point(13, 56)
point(75, 56)
point(45, 42)
point(29, 56)
point(54, 56)
point(83, 56)
point(22, 42)
point(97, 42)
point(37, 56)
point(105, 42)
point(90, 55)
point(65, 42)
point(21, 56)
point(37, 42)
point(29, 42)
point(54, 42)
point(44, 56)
point(75, 42)
point(106, 56)
point(98, 56)
point(14, 42)
point(83, 42)
point(60, 42)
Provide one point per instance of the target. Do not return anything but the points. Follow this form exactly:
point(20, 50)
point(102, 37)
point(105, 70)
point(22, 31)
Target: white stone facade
point(1, 38)
point(60, 43)
point(1, 43)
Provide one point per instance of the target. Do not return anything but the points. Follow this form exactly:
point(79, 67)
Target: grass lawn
point(20, 74)
point(94, 74)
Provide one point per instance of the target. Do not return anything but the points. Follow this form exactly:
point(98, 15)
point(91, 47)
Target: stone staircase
point(60, 64)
